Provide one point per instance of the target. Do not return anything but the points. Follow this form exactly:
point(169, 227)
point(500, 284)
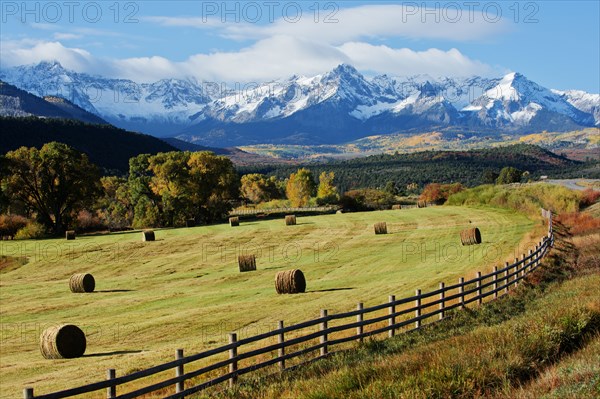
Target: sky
point(554, 43)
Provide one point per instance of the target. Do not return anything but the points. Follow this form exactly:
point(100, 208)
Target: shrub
point(87, 221)
point(588, 197)
point(10, 224)
point(32, 231)
point(367, 199)
point(528, 199)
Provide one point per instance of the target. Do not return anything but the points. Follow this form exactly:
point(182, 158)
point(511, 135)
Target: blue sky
point(555, 43)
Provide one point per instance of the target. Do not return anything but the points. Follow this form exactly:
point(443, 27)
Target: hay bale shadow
point(111, 291)
point(114, 353)
point(334, 289)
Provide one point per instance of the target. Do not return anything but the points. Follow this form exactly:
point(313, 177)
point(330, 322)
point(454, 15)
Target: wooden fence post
point(506, 282)
point(324, 335)
point(179, 387)
point(442, 305)
point(281, 341)
point(478, 285)
point(461, 291)
point(495, 286)
point(359, 319)
point(111, 391)
point(392, 319)
point(233, 366)
point(418, 308)
point(28, 393)
point(516, 272)
point(530, 261)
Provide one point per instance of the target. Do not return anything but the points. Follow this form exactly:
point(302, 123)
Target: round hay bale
point(234, 221)
point(396, 207)
point(247, 263)
point(470, 236)
point(190, 223)
point(82, 282)
point(290, 282)
point(380, 228)
point(70, 234)
point(65, 341)
point(339, 211)
point(290, 220)
point(148, 235)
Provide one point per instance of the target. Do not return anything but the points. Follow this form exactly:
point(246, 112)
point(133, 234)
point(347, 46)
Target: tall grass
point(527, 198)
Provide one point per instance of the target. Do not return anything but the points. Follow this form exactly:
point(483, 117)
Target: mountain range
point(334, 107)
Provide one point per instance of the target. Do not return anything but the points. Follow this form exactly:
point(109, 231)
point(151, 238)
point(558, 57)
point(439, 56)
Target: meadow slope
point(185, 291)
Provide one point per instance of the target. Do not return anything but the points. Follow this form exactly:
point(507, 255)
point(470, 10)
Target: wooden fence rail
point(426, 308)
point(242, 212)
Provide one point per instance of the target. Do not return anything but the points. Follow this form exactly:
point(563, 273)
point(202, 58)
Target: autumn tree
point(258, 188)
point(55, 182)
point(168, 188)
point(300, 187)
point(327, 192)
point(439, 193)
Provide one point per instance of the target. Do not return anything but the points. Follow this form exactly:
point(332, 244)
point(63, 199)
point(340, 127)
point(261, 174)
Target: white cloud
point(406, 62)
point(446, 22)
point(267, 59)
point(66, 36)
point(20, 52)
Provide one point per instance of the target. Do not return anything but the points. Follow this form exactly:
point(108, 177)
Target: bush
point(11, 224)
point(32, 231)
point(588, 197)
point(366, 199)
point(527, 199)
point(86, 221)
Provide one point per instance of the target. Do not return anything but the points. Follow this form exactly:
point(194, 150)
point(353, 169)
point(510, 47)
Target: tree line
point(56, 187)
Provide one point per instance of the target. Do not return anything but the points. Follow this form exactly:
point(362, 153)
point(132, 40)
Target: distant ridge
point(19, 103)
point(106, 146)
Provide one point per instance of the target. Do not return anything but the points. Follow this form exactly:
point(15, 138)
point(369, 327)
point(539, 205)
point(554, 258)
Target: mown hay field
point(184, 290)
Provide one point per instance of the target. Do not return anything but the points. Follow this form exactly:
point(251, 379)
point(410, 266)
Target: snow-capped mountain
point(518, 103)
point(333, 107)
point(151, 108)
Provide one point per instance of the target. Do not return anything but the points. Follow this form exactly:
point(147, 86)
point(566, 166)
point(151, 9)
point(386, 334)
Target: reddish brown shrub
point(10, 224)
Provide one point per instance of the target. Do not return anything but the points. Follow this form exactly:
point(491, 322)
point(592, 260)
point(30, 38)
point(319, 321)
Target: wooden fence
point(250, 211)
point(288, 342)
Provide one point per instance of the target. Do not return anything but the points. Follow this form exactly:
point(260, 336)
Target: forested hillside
point(105, 145)
point(467, 167)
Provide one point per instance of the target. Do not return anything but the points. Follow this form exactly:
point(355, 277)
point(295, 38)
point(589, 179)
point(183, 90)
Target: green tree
point(390, 188)
point(509, 175)
point(145, 203)
point(258, 188)
point(327, 192)
point(55, 181)
point(490, 176)
point(115, 204)
point(300, 187)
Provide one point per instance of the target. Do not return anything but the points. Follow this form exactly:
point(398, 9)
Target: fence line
point(433, 306)
point(243, 212)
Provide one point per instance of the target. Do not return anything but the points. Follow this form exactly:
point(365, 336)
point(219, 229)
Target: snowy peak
point(515, 101)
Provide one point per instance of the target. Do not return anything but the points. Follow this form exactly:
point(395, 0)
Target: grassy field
point(184, 290)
